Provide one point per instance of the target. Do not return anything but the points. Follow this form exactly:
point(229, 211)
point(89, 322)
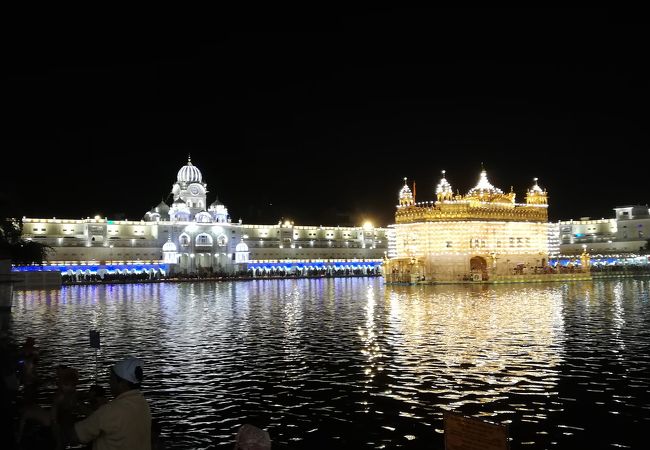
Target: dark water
point(351, 363)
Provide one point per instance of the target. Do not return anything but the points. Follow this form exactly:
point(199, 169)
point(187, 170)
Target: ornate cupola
point(170, 255)
point(405, 195)
point(179, 210)
point(536, 195)
point(190, 187)
point(484, 187)
point(189, 173)
point(219, 211)
point(241, 253)
point(484, 191)
point(443, 189)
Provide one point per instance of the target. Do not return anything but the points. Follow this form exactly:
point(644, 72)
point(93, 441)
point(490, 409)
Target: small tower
point(405, 195)
point(179, 211)
point(219, 211)
point(170, 255)
point(241, 253)
point(536, 195)
point(444, 191)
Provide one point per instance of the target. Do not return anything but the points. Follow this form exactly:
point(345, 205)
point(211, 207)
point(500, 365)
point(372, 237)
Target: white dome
point(189, 173)
point(241, 247)
point(169, 247)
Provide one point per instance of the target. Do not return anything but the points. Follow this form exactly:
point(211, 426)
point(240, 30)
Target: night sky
point(317, 116)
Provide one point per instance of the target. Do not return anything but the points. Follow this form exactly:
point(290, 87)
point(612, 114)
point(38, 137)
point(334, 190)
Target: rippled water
point(351, 363)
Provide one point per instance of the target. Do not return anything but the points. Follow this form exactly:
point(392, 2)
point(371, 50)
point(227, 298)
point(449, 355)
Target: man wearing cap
point(125, 422)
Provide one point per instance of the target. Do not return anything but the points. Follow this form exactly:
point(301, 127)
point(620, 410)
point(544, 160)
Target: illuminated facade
point(190, 236)
point(478, 236)
point(627, 233)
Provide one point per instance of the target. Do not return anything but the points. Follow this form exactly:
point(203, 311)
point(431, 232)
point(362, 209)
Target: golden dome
point(536, 195)
point(484, 191)
point(484, 187)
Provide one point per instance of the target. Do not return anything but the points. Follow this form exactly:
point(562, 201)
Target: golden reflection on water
point(507, 337)
point(371, 348)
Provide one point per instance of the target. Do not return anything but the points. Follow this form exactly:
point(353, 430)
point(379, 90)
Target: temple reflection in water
point(511, 339)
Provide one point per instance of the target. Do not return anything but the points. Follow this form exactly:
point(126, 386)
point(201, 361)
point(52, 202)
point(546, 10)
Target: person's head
point(126, 375)
point(249, 437)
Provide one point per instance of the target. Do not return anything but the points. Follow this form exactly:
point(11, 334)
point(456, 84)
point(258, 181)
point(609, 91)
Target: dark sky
point(317, 116)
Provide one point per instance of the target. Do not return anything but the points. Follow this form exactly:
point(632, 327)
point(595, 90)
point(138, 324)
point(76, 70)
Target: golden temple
point(479, 236)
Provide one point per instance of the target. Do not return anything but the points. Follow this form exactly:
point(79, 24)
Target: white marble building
point(626, 233)
point(192, 236)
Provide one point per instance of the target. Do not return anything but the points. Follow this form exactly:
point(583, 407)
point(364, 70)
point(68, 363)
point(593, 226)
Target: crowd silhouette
point(61, 410)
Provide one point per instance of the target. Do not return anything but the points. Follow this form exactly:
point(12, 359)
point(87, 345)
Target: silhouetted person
point(125, 422)
point(62, 413)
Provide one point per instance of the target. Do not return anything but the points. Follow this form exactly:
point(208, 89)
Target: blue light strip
point(317, 265)
point(593, 261)
point(93, 268)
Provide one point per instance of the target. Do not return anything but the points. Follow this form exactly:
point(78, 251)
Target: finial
point(443, 173)
point(189, 159)
point(404, 180)
point(535, 180)
point(482, 168)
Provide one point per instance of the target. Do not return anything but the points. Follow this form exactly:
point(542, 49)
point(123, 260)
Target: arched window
point(222, 240)
point(184, 240)
point(203, 240)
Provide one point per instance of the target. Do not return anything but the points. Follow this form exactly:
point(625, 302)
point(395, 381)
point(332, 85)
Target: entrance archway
point(478, 265)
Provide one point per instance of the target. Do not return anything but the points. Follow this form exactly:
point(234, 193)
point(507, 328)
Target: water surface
point(351, 363)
